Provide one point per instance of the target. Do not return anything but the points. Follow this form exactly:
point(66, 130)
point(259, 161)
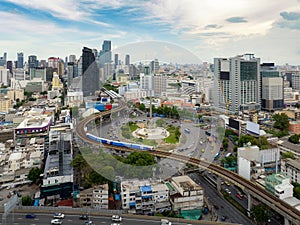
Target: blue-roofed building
point(143, 197)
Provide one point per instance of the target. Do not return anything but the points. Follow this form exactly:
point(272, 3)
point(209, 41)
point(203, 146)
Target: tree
point(281, 121)
point(26, 200)
point(286, 155)
point(294, 139)
point(260, 212)
point(140, 159)
point(296, 190)
point(34, 174)
point(142, 107)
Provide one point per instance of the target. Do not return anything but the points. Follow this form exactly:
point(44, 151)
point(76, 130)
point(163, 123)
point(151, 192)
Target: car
point(30, 216)
point(239, 196)
point(56, 221)
point(59, 215)
point(201, 142)
point(227, 183)
point(228, 191)
point(223, 218)
point(165, 222)
point(89, 222)
point(83, 217)
point(216, 206)
point(116, 218)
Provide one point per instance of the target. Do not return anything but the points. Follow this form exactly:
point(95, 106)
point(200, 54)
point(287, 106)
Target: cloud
point(236, 20)
point(215, 26)
point(290, 15)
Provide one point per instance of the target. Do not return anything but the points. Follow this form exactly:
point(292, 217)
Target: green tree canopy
point(260, 212)
point(26, 200)
point(281, 121)
point(294, 138)
point(140, 159)
point(286, 155)
point(34, 174)
point(142, 107)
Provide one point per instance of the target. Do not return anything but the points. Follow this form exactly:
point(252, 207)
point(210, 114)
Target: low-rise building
point(143, 197)
point(189, 195)
point(291, 168)
point(279, 185)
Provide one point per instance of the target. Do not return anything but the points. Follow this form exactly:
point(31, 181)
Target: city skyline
point(206, 29)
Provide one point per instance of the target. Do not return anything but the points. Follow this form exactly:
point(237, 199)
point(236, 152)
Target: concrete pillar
point(286, 221)
point(249, 204)
point(219, 184)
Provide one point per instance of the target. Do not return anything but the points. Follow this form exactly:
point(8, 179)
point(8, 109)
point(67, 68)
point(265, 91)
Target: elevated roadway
point(291, 214)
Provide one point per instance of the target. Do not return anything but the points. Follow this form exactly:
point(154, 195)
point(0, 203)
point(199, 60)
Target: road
point(19, 219)
point(214, 198)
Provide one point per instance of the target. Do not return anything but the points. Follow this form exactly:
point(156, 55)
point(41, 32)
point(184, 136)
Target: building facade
point(90, 72)
point(291, 168)
point(237, 83)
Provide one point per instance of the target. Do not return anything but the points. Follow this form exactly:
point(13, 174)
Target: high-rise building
point(271, 88)
point(90, 72)
point(3, 59)
point(237, 83)
point(127, 60)
point(154, 66)
point(9, 65)
point(70, 72)
point(72, 58)
point(53, 62)
point(4, 76)
point(159, 84)
point(20, 62)
point(116, 60)
point(32, 62)
point(105, 53)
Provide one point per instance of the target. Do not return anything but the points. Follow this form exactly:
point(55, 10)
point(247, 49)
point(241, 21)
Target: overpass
point(291, 214)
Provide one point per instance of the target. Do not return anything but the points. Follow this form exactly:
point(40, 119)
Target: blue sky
point(205, 28)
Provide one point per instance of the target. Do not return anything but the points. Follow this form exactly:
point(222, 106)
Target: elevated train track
point(289, 212)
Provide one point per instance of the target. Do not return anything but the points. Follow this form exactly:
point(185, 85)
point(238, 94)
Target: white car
point(59, 215)
point(228, 191)
point(116, 218)
point(165, 222)
point(56, 221)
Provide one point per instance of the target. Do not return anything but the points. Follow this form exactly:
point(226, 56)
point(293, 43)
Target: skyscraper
point(9, 65)
point(154, 66)
point(72, 58)
point(20, 62)
point(116, 60)
point(127, 60)
point(90, 72)
point(3, 59)
point(32, 62)
point(105, 53)
point(237, 83)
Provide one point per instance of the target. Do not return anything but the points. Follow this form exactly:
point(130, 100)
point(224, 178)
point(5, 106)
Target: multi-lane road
point(41, 219)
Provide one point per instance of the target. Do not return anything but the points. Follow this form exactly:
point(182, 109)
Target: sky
point(204, 28)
